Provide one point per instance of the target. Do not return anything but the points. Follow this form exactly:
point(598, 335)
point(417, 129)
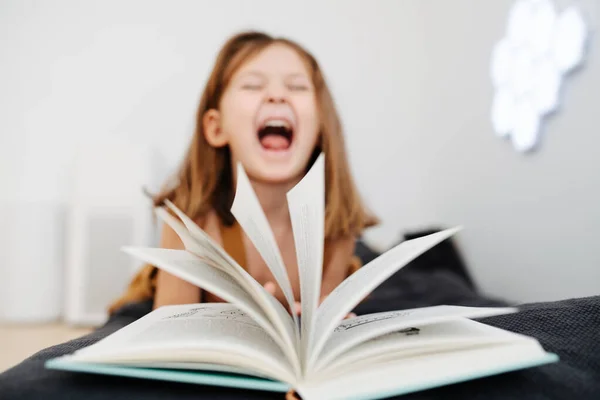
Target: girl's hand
point(270, 287)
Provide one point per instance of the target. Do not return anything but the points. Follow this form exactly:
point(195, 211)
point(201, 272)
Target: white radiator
point(107, 210)
point(31, 261)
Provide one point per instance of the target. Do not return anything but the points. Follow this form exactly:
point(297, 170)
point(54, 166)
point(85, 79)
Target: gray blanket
point(570, 328)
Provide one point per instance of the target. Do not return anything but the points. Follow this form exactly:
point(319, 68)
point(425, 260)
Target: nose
point(276, 94)
point(276, 99)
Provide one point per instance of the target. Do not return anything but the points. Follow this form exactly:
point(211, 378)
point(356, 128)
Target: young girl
point(266, 105)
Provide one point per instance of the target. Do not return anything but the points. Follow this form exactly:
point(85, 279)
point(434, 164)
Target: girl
point(266, 105)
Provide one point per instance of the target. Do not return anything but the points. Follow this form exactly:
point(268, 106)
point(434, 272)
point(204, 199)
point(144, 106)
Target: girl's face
point(268, 116)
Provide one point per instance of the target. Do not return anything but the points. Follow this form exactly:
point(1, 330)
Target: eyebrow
point(253, 73)
point(261, 75)
point(297, 75)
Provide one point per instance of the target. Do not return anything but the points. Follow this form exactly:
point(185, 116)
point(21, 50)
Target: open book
point(254, 341)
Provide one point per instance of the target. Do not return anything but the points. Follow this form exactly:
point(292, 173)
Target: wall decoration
point(528, 66)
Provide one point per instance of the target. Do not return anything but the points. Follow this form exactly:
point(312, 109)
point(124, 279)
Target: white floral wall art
point(529, 66)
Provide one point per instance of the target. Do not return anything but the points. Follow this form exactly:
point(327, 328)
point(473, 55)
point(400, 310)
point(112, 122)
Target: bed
point(569, 328)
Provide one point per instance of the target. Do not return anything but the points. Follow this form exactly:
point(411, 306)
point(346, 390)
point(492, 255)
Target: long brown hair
point(204, 181)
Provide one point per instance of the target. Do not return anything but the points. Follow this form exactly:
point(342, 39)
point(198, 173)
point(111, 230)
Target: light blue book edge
point(174, 375)
point(255, 383)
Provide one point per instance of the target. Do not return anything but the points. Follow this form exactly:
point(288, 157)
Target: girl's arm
point(171, 289)
point(338, 267)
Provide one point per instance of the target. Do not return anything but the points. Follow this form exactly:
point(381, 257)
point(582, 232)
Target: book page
point(249, 213)
point(352, 332)
point(416, 340)
point(199, 242)
point(192, 333)
point(193, 269)
point(407, 372)
point(189, 242)
point(199, 239)
point(307, 211)
point(358, 285)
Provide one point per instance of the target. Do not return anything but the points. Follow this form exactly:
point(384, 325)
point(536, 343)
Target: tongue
point(275, 142)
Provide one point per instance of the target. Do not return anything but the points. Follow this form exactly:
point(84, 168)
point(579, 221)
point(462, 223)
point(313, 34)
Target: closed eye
point(298, 87)
point(249, 86)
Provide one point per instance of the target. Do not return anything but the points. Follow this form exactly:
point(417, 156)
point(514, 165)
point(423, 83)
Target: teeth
point(277, 123)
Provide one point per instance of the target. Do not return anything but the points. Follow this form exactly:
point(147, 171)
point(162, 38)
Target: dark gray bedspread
point(569, 328)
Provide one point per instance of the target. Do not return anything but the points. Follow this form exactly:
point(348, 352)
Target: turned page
point(358, 285)
point(351, 333)
point(306, 203)
point(466, 348)
point(418, 340)
point(183, 333)
point(202, 273)
point(248, 212)
point(199, 242)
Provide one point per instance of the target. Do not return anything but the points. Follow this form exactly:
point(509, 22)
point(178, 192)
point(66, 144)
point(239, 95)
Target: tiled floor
point(18, 342)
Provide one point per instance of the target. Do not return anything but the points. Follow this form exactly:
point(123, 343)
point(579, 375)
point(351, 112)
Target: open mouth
point(276, 135)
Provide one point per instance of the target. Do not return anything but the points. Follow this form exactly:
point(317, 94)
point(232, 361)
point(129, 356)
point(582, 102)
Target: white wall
point(531, 221)
point(410, 79)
